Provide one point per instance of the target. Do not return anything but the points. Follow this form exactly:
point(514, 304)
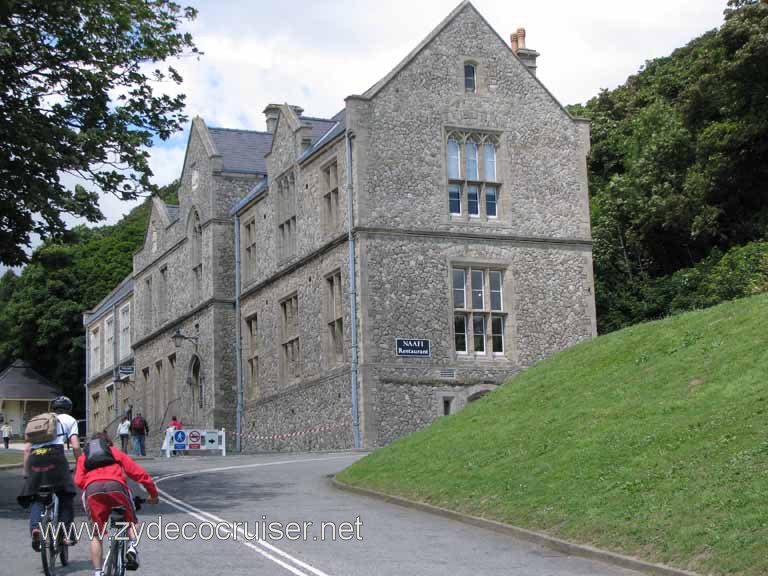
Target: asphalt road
point(206, 491)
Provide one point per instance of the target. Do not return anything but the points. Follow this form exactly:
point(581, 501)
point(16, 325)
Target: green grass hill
point(651, 441)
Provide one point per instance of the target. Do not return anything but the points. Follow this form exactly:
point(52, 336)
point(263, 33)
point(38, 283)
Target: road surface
point(372, 538)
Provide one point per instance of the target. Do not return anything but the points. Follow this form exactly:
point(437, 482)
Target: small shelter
point(24, 393)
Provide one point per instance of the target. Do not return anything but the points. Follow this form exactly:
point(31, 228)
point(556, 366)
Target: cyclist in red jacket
point(101, 475)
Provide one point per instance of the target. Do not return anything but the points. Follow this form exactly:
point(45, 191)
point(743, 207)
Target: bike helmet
point(62, 404)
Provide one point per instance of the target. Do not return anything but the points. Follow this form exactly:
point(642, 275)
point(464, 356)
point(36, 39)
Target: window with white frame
point(331, 197)
point(473, 187)
point(334, 317)
point(109, 341)
point(291, 350)
point(125, 331)
point(479, 317)
point(95, 351)
point(286, 216)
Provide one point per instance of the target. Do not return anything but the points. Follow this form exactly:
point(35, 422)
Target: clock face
point(195, 178)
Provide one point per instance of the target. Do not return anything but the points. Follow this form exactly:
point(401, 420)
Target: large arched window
point(473, 181)
point(195, 237)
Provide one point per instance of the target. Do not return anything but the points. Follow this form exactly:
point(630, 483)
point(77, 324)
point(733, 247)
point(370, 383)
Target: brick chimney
point(526, 55)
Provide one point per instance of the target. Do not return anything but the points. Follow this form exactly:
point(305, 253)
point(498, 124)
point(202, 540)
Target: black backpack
point(98, 454)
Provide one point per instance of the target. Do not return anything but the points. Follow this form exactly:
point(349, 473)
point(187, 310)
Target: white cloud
point(314, 54)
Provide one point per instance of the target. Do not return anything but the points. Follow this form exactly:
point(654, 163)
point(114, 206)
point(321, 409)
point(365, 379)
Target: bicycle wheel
point(119, 559)
point(48, 545)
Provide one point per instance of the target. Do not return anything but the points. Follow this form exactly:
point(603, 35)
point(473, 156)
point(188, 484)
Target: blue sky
point(314, 53)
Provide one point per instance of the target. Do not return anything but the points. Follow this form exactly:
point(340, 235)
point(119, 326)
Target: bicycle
point(52, 544)
point(114, 561)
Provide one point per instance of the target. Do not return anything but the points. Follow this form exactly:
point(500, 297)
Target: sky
point(315, 53)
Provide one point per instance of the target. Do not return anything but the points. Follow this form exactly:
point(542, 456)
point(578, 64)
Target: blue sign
point(179, 440)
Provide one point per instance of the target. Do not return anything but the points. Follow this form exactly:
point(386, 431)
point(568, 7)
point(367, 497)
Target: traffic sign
point(212, 440)
point(194, 439)
point(180, 440)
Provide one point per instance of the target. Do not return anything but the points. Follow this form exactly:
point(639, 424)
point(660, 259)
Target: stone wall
point(403, 408)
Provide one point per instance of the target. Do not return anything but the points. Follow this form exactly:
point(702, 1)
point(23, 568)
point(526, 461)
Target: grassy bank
point(651, 441)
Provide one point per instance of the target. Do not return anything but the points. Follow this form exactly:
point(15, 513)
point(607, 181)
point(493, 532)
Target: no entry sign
point(194, 440)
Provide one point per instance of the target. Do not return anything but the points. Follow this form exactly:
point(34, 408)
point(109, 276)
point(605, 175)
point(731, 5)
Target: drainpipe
point(87, 378)
point(352, 292)
point(115, 360)
point(238, 340)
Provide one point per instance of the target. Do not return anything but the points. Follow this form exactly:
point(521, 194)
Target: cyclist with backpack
point(45, 463)
point(140, 430)
point(101, 475)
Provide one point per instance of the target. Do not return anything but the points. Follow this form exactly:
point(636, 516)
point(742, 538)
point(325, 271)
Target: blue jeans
point(66, 510)
point(138, 445)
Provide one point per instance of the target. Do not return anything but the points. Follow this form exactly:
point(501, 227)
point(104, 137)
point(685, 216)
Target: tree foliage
point(78, 103)
point(679, 164)
point(41, 309)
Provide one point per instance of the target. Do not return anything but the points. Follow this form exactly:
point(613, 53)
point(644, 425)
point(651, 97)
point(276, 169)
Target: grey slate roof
point(20, 381)
point(319, 126)
point(242, 150)
point(124, 289)
point(173, 212)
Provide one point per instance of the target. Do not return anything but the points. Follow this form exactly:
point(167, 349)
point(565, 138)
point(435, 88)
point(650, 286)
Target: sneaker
point(131, 557)
point(36, 538)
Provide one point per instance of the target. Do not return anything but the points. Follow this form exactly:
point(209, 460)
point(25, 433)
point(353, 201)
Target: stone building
point(465, 258)
point(108, 333)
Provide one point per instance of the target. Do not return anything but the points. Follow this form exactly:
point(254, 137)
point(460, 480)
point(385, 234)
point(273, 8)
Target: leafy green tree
point(78, 98)
point(679, 168)
point(41, 309)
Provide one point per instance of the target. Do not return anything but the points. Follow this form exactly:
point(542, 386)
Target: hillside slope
point(651, 441)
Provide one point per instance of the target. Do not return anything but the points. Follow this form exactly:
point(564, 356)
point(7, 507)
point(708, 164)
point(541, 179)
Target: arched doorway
point(195, 393)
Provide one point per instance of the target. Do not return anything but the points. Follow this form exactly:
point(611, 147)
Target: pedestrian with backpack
point(45, 463)
point(101, 475)
point(140, 431)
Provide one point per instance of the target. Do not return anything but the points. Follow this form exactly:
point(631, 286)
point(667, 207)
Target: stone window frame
point(249, 246)
point(195, 237)
point(158, 410)
point(124, 348)
point(148, 305)
point(468, 311)
point(473, 65)
point(290, 342)
point(334, 317)
point(254, 346)
point(109, 388)
point(461, 181)
point(154, 239)
point(163, 294)
point(95, 408)
point(331, 196)
point(286, 215)
point(109, 341)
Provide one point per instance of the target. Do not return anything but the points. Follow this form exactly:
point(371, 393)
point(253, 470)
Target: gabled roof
point(173, 212)
point(319, 126)
point(20, 381)
point(253, 193)
point(337, 128)
point(242, 151)
point(123, 290)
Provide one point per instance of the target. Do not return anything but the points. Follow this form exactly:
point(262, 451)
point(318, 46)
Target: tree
point(78, 102)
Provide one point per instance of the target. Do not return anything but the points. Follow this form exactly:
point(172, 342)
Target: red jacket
point(117, 472)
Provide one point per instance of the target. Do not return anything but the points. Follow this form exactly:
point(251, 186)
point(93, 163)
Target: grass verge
point(651, 441)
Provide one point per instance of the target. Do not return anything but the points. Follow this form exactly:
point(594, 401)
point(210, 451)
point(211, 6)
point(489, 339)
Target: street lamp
point(178, 338)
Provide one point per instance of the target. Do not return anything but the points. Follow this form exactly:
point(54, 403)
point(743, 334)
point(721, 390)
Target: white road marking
point(257, 545)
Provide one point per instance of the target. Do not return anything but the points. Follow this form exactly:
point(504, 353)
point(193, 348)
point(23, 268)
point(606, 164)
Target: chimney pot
point(521, 38)
point(272, 112)
point(514, 42)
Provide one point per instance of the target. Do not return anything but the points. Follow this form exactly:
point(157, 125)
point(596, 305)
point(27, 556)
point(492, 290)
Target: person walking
point(140, 431)
point(6, 429)
point(124, 432)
